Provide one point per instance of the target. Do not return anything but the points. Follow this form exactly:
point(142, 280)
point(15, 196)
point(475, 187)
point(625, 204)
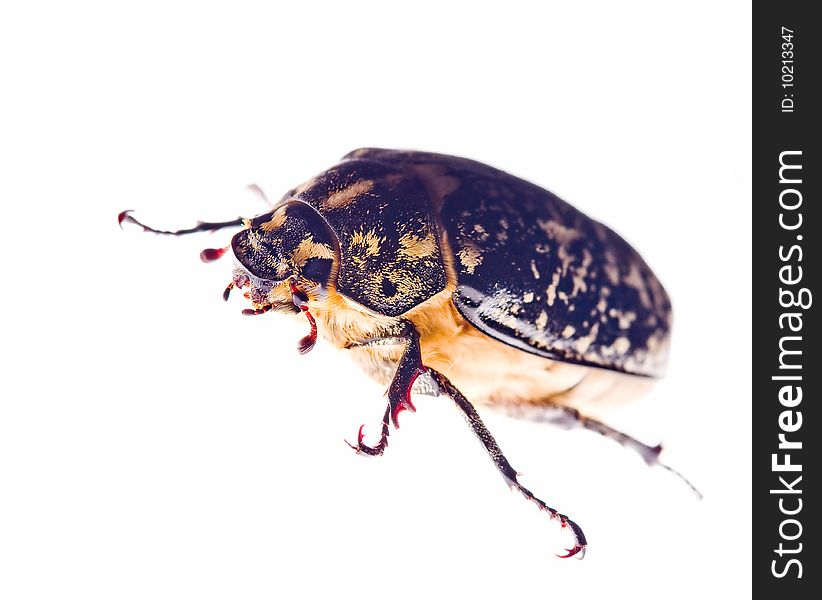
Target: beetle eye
point(317, 269)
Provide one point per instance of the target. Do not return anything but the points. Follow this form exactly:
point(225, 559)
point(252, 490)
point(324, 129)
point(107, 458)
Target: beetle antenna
point(258, 191)
point(125, 217)
point(227, 291)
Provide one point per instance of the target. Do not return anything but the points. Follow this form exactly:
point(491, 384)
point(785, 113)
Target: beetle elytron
point(426, 264)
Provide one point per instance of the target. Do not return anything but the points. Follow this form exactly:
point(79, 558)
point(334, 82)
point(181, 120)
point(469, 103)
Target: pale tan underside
point(484, 369)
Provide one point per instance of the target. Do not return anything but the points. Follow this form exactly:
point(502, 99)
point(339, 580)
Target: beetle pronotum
point(436, 267)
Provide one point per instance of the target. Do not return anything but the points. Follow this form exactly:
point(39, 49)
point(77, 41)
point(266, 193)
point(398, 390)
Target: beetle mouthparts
point(300, 300)
point(250, 312)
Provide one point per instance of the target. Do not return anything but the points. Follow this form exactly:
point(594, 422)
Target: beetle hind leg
point(503, 466)
point(570, 418)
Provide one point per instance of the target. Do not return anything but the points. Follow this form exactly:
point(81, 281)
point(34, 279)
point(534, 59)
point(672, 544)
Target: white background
point(181, 450)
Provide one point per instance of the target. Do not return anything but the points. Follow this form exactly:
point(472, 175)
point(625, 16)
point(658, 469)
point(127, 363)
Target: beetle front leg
point(399, 398)
point(502, 464)
point(399, 392)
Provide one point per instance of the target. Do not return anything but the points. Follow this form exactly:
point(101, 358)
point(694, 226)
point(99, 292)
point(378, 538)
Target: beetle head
point(291, 245)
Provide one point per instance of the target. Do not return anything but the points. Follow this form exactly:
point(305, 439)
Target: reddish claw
point(577, 549)
point(580, 543)
point(377, 450)
point(123, 216)
point(360, 447)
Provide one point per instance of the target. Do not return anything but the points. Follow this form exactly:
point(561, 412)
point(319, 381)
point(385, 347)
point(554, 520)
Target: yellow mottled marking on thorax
point(412, 246)
point(347, 195)
point(276, 221)
point(254, 240)
point(308, 248)
point(364, 246)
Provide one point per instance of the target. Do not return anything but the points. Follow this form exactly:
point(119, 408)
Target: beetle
point(460, 279)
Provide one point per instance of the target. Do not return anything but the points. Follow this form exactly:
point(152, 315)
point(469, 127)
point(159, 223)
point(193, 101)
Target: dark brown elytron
point(480, 284)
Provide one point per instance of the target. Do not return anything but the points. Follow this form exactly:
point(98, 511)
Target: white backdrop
point(179, 449)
